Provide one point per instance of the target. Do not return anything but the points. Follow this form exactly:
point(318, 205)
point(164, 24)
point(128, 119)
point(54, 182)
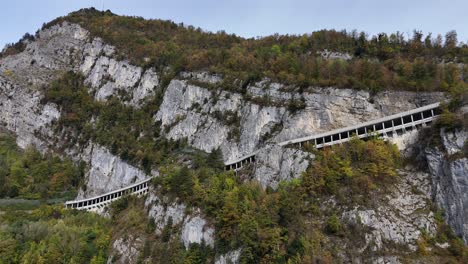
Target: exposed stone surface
point(387, 260)
point(125, 250)
point(194, 228)
point(193, 112)
point(61, 48)
point(274, 164)
point(401, 217)
point(21, 113)
point(202, 77)
point(334, 55)
point(107, 172)
point(231, 257)
point(161, 211)
point(406, 142)
point(454, 141)
point(450, 181)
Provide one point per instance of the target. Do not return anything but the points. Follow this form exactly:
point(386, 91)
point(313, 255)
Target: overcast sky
point(252, 18)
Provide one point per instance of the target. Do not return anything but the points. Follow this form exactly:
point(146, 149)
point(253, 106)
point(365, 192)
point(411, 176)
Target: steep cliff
point(449, 177)
point(196, 107)
point(209, 118)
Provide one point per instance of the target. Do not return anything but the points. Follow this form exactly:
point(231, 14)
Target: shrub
point(333, 225)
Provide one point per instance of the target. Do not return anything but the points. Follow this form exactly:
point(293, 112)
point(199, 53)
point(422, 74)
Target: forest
point(29, 174)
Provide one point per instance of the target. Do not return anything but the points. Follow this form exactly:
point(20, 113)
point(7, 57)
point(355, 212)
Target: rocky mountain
point(195, 108)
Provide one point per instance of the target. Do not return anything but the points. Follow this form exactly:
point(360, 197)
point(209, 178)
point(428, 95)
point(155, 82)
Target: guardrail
point(101, 201)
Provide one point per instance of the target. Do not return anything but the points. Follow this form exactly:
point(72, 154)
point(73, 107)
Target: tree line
point(379, 62)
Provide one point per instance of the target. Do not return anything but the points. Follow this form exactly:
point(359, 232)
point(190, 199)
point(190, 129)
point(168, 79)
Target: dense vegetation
point(379, 62)
point(50, 234)
point(31, 175)
point(30, 230)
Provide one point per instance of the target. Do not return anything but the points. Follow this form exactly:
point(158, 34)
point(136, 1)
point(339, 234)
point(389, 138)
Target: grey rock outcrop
point(68, 47)
point(333, 55)
point(450, 181)
point(401, 217)
point(231, 257)
point(241, 124)
point(274, 163)
point(194, 228)
point(107, 172)
point(125, 250)
point(22, 113)
point(161, 210)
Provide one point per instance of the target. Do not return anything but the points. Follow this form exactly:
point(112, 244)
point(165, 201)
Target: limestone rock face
point(236, 123)
point(274, 164)
point(450, 181)
point(241, 124)
point(126, 250)
point(401, 217)
point(194, 228)
point(107, 172)
point(232, 257)
point(454, 141)
point(161, 211)
point(334, 55)
point(22, 113)
point(67, 47)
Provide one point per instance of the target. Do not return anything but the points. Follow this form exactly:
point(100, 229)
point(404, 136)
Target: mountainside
point(133, 99)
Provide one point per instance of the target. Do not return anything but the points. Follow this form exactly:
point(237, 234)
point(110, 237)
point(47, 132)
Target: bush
point(353, 170)
point(43, 236)
point(333, 225)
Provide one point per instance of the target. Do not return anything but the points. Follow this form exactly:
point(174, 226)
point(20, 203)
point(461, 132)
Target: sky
point(252, 18)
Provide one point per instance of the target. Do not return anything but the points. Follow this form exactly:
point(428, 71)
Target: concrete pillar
point(403, 129)
point(432, 112)
point(339, 137)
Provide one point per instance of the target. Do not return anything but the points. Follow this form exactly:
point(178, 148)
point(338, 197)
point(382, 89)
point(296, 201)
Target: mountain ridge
point(70, 92)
